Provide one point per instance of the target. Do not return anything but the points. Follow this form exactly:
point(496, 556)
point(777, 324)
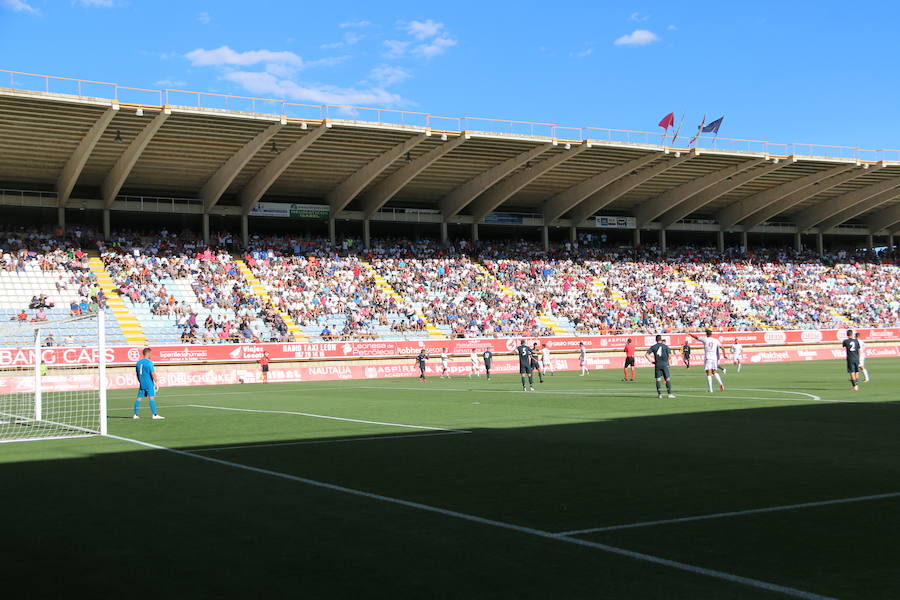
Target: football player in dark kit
point(851, 345)
point(686, 354)
point(488, 356)
point(536, 363)
point(524, 354)
point(660, 356)
point(420, 359)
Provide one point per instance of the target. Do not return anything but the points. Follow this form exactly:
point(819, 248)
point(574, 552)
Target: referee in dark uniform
point(488, 356)
point(660, 357)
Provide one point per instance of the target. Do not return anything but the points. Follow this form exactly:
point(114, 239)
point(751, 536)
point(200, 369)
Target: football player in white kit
point(862, 357)
point(711, 349)
point(737, 354)
point(445, 369)
point(582, 359)
point(473, 365)
point(546, 363)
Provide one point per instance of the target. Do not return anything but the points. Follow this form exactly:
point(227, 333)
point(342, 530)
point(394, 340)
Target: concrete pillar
point(820, 243)
point(720, 241)
point(474, 232)
point(205, 228)
point(61, 217)
point(637, 238)
point(744, 243)
point(366, 239)
point(662, 240)
point(545, 237)
point(890, 240)
point(445, 238)
point(245, 230)
point(798, 242)
point(573, 234)
point(870, 242)
point(106, 227)
point(331, 232)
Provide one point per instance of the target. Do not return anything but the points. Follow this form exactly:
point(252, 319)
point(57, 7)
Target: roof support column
point(120, 171)
point(820, 243)
point(744, 242)
point(69, 175)
point(720, 240)
point(474, 233)
point(798, 242)
point(870, 242)
point(662, 240)
point(106, 227)
point(545, 237)
point(331, 231)
point(61, 217)
point(205, 219)
point(366, 239)
point(636, 240)
point(573, 234)
point(245, 231)
point(445, 239)
point(890, 242)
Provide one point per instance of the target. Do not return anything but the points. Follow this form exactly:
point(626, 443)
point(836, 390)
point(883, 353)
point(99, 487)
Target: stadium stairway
point(261, 292)
point(550, 322)
point(381, 282)
point(490, 276)
point(600, 287)
point(128, 323)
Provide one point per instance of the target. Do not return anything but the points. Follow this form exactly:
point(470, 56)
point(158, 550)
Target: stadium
point(387, 352)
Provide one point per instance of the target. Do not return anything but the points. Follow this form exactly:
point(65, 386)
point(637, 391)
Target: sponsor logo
point(134, 354)
point(811, 337)
point(347, 348)
point(371, 372)
point(775, 337)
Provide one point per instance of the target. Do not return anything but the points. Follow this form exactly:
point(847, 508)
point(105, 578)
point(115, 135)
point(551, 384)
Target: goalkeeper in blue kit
point(146, 376)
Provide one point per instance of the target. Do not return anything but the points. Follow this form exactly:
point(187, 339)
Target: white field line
point(649, 558)
point(735, 513)
point(329, 417)
point(403, 436)
point(629, 393)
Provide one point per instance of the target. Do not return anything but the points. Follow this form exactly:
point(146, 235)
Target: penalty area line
point(329, 417)
point(648, 558)
point(734, 513)
point(403, 436)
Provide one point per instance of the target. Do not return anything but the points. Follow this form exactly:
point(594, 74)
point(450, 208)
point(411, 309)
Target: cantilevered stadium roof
point(224, 154)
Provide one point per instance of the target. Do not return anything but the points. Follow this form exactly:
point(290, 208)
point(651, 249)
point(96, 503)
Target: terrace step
point(260, 291)
point(128, 323)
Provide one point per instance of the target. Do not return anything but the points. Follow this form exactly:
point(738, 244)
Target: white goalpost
point(53, 391)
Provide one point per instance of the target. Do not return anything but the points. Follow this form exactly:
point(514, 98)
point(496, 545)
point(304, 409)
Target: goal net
point(52, 378)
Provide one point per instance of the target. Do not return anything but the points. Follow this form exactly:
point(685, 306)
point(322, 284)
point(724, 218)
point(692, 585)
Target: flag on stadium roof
point(675, 136)
point(667, 121)
point(699, 129)
point(713, 127)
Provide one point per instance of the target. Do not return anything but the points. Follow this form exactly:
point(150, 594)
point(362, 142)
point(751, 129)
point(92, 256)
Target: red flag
point(667, 121)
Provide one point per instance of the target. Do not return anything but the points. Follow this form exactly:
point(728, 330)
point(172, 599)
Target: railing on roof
point(131, 96)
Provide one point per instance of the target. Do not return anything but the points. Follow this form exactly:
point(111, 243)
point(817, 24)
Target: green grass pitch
point(464, 488)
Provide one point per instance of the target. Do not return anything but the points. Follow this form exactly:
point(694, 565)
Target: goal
point(53, 378)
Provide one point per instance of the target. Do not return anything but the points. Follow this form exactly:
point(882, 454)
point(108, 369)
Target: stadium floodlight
point(42, 399)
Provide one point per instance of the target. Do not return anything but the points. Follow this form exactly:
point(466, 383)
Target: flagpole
point(675, 137)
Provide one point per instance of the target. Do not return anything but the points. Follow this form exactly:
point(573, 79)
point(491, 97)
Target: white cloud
point(266, 83)
point(672, 28)
point(638, 17)
point(169, 83)
point(395, 48)
point(582, 53)
point(349, 39)
point(347, 24)
point(226, 56)
point(103, 3)
point(19, 6)
point(436, 46)
point(638, 37)
point(422, 30)
point(386, 75)
point(204, 18)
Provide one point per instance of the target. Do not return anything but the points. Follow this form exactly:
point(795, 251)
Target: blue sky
point(817, 72)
